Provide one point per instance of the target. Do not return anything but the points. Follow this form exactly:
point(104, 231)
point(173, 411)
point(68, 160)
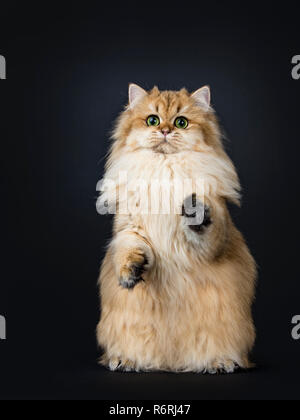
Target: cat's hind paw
point(225, 366)
point(117, 365)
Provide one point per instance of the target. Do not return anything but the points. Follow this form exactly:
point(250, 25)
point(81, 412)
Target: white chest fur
point(150, 189)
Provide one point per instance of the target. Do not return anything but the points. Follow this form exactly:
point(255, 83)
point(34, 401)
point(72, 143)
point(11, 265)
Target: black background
point(68, 70)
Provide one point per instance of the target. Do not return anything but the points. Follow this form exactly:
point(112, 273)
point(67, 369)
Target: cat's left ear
point(136, 93)
point(203, 97)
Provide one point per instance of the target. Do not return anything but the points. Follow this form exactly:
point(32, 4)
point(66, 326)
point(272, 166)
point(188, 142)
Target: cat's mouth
point(164, 147)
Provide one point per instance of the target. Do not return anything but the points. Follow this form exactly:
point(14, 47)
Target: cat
point(176, 290)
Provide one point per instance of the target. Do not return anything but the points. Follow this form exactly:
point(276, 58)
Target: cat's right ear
point(136, 93)
point(203, 97)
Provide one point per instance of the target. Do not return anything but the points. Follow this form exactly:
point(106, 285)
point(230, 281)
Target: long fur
point(192, 312)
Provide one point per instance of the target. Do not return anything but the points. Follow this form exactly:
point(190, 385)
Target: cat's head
point(167, 122)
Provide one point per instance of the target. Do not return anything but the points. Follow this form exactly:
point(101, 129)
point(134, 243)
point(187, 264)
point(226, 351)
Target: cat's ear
point(203, 97)
point(136, 93)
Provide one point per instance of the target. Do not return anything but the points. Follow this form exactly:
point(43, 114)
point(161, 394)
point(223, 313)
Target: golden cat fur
point(192, 311)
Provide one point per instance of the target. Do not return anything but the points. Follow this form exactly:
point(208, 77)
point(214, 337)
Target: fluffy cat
point(176, 291)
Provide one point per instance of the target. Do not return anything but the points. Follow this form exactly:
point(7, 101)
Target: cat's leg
point(125, 332)
point(132, 256)
point(230, 273)
point(206, 225)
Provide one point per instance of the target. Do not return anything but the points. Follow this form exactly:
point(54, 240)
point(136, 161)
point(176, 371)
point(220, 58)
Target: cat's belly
point(174, 325)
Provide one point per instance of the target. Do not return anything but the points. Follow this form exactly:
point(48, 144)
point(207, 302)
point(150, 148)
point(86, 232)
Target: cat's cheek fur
point(138, 138)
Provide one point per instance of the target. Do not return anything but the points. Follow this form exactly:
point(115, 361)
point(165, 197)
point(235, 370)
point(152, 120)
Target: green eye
point(153, 121)
point(181, 122)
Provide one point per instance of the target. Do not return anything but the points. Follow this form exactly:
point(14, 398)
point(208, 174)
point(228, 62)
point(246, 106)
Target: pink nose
point(165, 131)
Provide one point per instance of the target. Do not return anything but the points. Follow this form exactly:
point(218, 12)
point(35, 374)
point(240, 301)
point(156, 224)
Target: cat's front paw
point(197, 215)
point(132, 272)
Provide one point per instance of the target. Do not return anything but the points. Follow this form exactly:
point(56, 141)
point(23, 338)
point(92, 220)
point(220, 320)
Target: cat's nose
point(165, 131)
